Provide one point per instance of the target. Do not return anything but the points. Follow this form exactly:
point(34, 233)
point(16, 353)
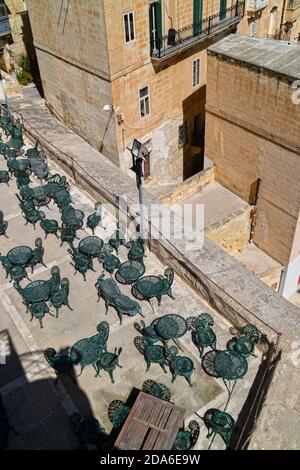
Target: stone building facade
point(273, 19)
point(15, 32)
point(253, 138)
point(144, 62)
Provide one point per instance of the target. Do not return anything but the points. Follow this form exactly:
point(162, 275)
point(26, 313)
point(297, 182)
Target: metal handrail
point(165, 45)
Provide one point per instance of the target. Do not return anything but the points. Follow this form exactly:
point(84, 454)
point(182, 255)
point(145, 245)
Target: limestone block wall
point(63, 84)
point(73, 31)
point(73, 60)
point(232, 234)
point(252, 131)
point(190, 186)
point(173, 101)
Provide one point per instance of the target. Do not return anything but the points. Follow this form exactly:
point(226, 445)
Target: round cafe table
point(129, 272)
point(91, 246)
point(230, 365)
point(37, 291)
point(150, 286)
point(171, 326)
point(20, 255)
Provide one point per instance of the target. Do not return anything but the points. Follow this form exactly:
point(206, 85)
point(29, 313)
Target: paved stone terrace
point(228, 284)
point(38, 410)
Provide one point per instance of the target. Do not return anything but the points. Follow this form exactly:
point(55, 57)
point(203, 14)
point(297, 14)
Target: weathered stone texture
point(253, 131)
point(233, 234)
point(237, 294)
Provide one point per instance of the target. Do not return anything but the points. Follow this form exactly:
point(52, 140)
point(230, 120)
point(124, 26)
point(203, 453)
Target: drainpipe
point(282, 17)
point(253, 216)
point(282, 280)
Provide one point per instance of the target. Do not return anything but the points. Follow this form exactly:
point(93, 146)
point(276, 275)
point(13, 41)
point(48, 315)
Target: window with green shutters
point(197, 17)
point(223, 5)
point(155, 22)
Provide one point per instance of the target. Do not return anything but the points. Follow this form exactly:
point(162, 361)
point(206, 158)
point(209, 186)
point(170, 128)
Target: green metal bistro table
point(37, 291)
point(154, 286)
point(129, 272)
point(150, 286)
point(20, 255)
point(91, 246)
point(88, 351)
point(230, 365)
point(171, 326)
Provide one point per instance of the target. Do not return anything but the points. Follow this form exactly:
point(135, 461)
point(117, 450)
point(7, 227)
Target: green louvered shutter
point(223, 5)
point(197, 17)
point(155, 21)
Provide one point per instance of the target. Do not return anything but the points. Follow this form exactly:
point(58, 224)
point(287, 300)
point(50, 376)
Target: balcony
point(256, 5)
point(292, 10)
point(182, 39)
point(4, 26)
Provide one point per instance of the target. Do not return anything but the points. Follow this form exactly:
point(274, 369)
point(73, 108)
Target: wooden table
point(152, 424)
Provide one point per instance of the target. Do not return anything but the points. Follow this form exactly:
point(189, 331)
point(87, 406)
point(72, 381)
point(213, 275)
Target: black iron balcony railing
point(4, 26)
point(188, 36)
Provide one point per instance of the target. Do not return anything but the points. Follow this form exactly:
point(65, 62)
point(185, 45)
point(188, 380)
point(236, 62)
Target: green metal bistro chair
point(55, 280)
point(61, 364)
point(16, 140)
point(32, 216)
point(58, 182)
point(109, 361)
point(4, 177)
point(61, 296)
point(110, 262)
point(38, 254)
point(118, 237)
point(3, 225)
point(6, 264)
point(22, 179)
point(94, 219)
point(186, 440)
point(149, 332)
point(137, 250)
point(219, 422)
point(87, 432)
point(81, 263)
point(156, 389)
point(117, 413)
point(17, 273)
point(202, 334)
point(153, 353)
point(50, 226)
point(67, 234)
point(110, 292)
point(179, 365)
point(38, 311)
point(244, 342)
